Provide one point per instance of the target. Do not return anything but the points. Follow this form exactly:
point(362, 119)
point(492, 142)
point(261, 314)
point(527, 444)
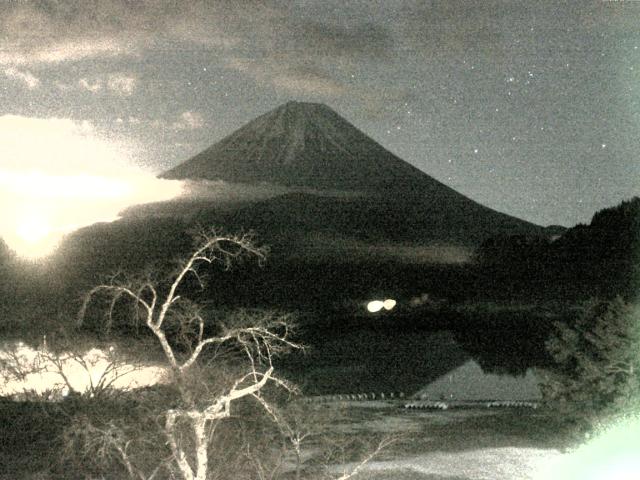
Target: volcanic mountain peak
point(302, 144)
point(309, 145)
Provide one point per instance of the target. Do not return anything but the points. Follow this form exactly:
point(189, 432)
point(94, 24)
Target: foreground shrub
point(597, 370)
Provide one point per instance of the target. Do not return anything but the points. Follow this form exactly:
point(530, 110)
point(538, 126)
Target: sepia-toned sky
point(529, 107)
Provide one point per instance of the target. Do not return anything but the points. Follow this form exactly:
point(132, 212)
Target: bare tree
point(312, 450)
point(195, 347)
point(181, 330)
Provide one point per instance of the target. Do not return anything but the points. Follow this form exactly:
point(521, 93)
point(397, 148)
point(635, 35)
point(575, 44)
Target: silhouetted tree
point(597, 357)
point(214, 366)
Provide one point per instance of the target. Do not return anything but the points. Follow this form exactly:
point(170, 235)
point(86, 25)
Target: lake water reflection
point(26, 370)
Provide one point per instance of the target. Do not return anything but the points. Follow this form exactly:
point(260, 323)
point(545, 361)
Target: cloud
point(59, 174)
point(189, 121)
point(93, 87)
point(327, 39)
point(264, 39)
point(53, 32)
point(285, 74)
point(63, 87)
point(53, 51)
point(25, 77)
point(121, 84)
point(117, 83)
point(309, 83)
point(58, 145)
point(298, 56)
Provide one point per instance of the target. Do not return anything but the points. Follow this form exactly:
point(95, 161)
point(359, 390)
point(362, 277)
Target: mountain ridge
point(309, 145)
point(303, 144)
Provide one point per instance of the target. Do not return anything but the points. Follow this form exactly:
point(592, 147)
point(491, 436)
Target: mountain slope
point(308, 146)
point(303, 145)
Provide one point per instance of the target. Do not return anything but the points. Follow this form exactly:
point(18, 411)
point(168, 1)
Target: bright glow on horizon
point(612, 455)
point(39, 209)
point(57, 175)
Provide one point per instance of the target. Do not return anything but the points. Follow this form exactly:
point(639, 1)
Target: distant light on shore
point(389, 304)
point(377, 305)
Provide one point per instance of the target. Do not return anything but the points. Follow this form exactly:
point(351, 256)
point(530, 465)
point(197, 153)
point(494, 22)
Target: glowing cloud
point(27, 78)
point(57, 175)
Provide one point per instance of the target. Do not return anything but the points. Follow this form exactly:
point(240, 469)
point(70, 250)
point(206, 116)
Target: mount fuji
point(314, 153)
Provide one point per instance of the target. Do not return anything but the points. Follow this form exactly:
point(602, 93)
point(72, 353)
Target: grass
point(455, 444)
point(31, 432)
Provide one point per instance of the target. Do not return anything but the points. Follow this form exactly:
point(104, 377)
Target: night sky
point(529, 107)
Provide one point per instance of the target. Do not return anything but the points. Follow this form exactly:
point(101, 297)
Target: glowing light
point(612, 455)
point(388, 304)
point(39, 209)
point(41, 185)
point(58, 175)
point(33, 229)
point(375, 306)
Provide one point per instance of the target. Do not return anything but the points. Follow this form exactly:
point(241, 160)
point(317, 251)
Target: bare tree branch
point(165, 309)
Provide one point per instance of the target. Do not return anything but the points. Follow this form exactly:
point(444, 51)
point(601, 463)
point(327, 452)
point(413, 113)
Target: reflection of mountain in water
point(376, 355)
point(369, 360)
point(470, 382)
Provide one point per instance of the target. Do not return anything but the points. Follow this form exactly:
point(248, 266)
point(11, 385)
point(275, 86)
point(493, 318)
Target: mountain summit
point(310, 146)
point(303, 145)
